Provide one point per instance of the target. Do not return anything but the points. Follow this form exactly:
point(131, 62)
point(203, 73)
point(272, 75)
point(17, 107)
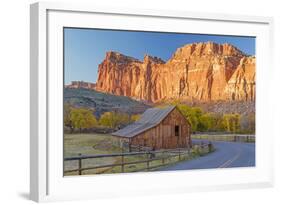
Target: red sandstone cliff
point(199, 71)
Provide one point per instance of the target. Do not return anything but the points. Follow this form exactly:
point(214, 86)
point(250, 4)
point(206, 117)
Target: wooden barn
point(158, 128)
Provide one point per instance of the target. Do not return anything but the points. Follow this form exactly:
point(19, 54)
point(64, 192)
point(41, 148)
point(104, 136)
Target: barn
point(158, 128)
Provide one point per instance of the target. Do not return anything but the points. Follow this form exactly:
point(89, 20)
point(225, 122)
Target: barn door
point(177, 134)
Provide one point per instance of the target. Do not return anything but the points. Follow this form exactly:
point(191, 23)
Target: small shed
point(158, 128)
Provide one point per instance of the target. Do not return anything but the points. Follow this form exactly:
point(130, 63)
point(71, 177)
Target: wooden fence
point(138, 148)
point(149, 157)
point(225, 137)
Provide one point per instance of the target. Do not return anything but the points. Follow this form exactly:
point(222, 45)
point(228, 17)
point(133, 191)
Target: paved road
point(227, 154)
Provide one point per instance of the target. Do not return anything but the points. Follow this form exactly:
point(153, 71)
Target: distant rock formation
point(81, 84)
point(198, 71)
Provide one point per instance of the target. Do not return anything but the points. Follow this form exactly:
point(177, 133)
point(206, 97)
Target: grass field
point(91, 144)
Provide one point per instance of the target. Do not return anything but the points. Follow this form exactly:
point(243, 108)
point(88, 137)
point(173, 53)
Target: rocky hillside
point(197, 72)
point(223, 107)
point(102, 102)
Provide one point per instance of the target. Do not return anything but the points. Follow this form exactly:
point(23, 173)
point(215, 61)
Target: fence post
point(130, 148)
point(210, 147)
point(188, 150)
point(179, 154)
point(80, 165)
point(122, 162)
point(147, 162)
point(202, 147)
point(163, 159)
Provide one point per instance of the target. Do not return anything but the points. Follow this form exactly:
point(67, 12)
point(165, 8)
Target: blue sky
point(84, 49)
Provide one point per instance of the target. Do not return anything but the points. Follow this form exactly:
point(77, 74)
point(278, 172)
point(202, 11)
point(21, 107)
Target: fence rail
point(139, 148)
point(225, 137)
point(149, 157)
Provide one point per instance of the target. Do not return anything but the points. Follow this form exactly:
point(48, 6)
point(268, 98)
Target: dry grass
point(92, 144)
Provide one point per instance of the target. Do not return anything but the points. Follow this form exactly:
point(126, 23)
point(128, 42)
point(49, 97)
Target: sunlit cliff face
point(198, 71)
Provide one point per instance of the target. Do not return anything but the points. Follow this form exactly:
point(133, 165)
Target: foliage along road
point(227, 154)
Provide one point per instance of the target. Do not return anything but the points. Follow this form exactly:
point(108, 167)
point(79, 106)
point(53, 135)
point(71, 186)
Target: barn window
point(177, 130)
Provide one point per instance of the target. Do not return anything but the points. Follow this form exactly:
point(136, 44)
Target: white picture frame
point(46, 177)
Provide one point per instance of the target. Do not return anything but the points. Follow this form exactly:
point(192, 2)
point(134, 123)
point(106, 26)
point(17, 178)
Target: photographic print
point(141, 101)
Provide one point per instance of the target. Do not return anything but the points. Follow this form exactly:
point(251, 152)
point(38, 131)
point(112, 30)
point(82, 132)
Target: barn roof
point(150, 118)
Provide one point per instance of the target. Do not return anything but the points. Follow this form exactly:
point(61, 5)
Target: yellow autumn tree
point(231, 122)
point(82, 118)
point(135, 118)
point(114, 119)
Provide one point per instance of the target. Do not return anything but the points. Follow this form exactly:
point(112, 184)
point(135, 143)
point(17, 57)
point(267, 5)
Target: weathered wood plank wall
point(163, 135)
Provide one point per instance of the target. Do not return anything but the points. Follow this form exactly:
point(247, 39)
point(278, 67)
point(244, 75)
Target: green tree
point(197, 111)
point(191, 114)
point(82, 118)
point(217, 122)
point(206, 122)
